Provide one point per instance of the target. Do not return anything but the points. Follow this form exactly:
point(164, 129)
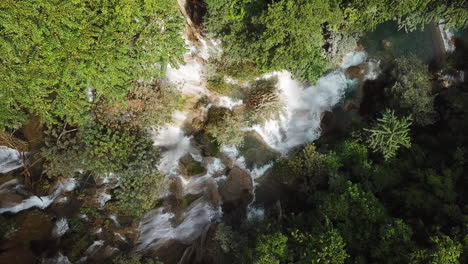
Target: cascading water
point(44, 201)
point(10, 159)
point(300, 122)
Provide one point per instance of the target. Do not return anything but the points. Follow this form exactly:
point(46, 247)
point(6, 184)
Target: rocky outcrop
point(237, 190)
point(189, 167)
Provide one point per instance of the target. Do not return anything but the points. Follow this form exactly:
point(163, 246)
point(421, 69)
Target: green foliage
point(108, 149)
point(79, 240)
point(63, 152)
point(54, 51)
point(325, 248)
point(365, 15)
point(134, 258)
point(354, 156)
point(443, 250)
point(141, 184)
point(412, 92)
point(289, 34)
point(148, 104)
point(220, 86)
point(309, 165)
point(274, 36)
point(139, 191)
point(225, 126)
point(227, 239)
point(270, 248)
point(389, 134)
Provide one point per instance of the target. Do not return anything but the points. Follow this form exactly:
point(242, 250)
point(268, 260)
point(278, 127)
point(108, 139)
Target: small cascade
point(238, 160)
point(158, 227)
point(447, 37)
point(10, 159)
point(173, 140)
point(43, 201)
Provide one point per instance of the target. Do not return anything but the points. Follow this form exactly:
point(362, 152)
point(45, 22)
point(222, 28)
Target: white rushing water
point(61, 227)
point(43, 201)
point(447, 37)
point(158, 227)
point(10, 159)
point(300, 123)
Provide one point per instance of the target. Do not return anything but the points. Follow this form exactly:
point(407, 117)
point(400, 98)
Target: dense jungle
point(234, 131)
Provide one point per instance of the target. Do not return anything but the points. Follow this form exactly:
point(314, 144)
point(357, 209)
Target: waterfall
point(447, 37)
point(157, 228)
point(44, 201)
point(300, 122)
point(10, 159)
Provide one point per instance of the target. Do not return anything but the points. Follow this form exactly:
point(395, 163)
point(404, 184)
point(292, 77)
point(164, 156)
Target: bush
point(225, 126)
point(389, 134)
point(138, 192)
point(412, 92)
point(220, 86)
point(148, 104)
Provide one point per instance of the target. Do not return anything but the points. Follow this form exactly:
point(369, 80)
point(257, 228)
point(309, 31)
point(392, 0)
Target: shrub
point(389, 134)
point(412, 92)
point(225, 126)
point(148, 103)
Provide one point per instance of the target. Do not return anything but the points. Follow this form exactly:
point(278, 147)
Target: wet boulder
point(326, 121)
point(237, 190)
point(354, 72)
point(189, 167)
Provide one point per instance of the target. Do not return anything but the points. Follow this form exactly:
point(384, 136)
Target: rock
point(237, 190)
point(36, 226)
point(354, 72)
point(207, 144)
point(190, 167)
point(17, 255)
point(256, 151)
point(9, 199)
point(326, 121)
point(212, 193)
point(97, 254)
point(33, 131)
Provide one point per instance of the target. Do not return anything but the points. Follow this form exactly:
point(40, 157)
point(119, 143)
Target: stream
point(230, 179)
point(227, 186)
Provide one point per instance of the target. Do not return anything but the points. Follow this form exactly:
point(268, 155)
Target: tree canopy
point(53, 52)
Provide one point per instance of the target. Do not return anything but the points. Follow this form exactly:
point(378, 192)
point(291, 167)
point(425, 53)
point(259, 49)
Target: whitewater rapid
point(299, 123)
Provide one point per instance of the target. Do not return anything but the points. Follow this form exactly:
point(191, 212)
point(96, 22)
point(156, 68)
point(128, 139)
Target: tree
point(53, 52)
point(363, 16)
point(283, 35)
point(325, 248)
point(225, 126)
point(412, 92)
point(443, 251)
point(389, 134)
point(270, 248)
